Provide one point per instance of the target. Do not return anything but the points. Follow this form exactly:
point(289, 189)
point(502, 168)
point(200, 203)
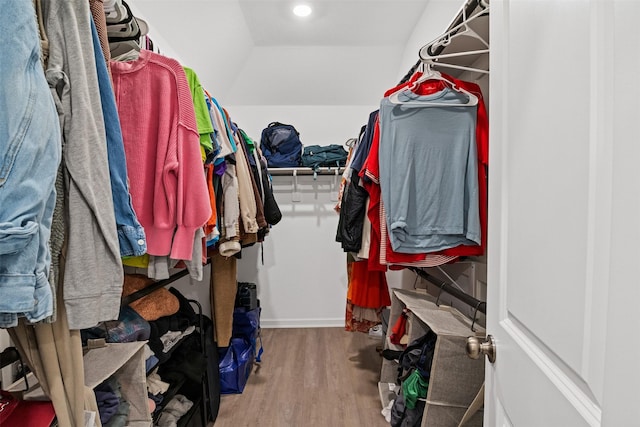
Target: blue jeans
point(30, 152)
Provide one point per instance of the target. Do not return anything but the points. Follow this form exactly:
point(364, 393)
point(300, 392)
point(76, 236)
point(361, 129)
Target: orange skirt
point(367, 288)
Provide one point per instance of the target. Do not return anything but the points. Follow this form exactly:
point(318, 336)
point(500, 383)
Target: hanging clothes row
point(138, 140)
point(109, 161)
point(415, 190)
point(198, 183)
point(74, 225)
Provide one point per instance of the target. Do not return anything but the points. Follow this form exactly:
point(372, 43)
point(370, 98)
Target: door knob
point(475, 348)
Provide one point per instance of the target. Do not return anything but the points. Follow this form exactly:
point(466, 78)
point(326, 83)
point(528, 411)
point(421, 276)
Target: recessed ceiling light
point(302, 10)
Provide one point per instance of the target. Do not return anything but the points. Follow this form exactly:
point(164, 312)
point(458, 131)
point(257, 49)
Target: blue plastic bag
point(246, 324)
point(236, 365)
point(237, 360)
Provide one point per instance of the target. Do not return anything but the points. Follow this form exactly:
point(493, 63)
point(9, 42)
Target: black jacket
point(352, 212)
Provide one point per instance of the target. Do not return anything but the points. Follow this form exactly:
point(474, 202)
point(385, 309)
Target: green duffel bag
point(316, 156)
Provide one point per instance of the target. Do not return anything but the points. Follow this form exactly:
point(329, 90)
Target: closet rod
point(155, 286)
point(480, 306)
point(305, 171)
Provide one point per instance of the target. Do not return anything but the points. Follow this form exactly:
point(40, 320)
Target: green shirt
point(203, 119)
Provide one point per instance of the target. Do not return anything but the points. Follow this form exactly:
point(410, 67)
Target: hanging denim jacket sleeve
point(131, 235)
point(29, 157)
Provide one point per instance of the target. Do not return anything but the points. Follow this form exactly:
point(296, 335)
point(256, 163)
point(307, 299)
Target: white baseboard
point(301, 323)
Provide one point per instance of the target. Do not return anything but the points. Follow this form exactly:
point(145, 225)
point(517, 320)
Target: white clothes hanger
point(460, 67)
point(455, 54)
point(430, 74)
point(124, 51)
point(462, 29)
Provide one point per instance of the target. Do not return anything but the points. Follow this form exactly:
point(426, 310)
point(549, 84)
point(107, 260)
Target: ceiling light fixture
point(302, 10)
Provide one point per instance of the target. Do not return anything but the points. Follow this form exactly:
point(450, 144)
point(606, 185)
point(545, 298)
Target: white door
point(564, 214)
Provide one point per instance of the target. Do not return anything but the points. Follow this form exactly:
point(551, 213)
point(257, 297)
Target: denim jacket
point(131, 235)
point(30, 152)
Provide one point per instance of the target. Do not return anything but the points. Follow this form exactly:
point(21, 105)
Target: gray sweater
point(93, 273)
point(428, 173)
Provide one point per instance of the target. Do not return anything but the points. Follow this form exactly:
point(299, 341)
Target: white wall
point(434, 21)
point(303, 280)
point(322, 75)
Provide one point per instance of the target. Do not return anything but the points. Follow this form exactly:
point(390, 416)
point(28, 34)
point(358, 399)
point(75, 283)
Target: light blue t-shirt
point(428, 172)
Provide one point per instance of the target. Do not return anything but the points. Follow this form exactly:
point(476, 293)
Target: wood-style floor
point(315, 377)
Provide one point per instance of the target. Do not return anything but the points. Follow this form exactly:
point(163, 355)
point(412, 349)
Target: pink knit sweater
point(162, 147)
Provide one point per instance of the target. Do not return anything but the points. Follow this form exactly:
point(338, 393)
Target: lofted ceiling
point(333, 23)
point(256, 52)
